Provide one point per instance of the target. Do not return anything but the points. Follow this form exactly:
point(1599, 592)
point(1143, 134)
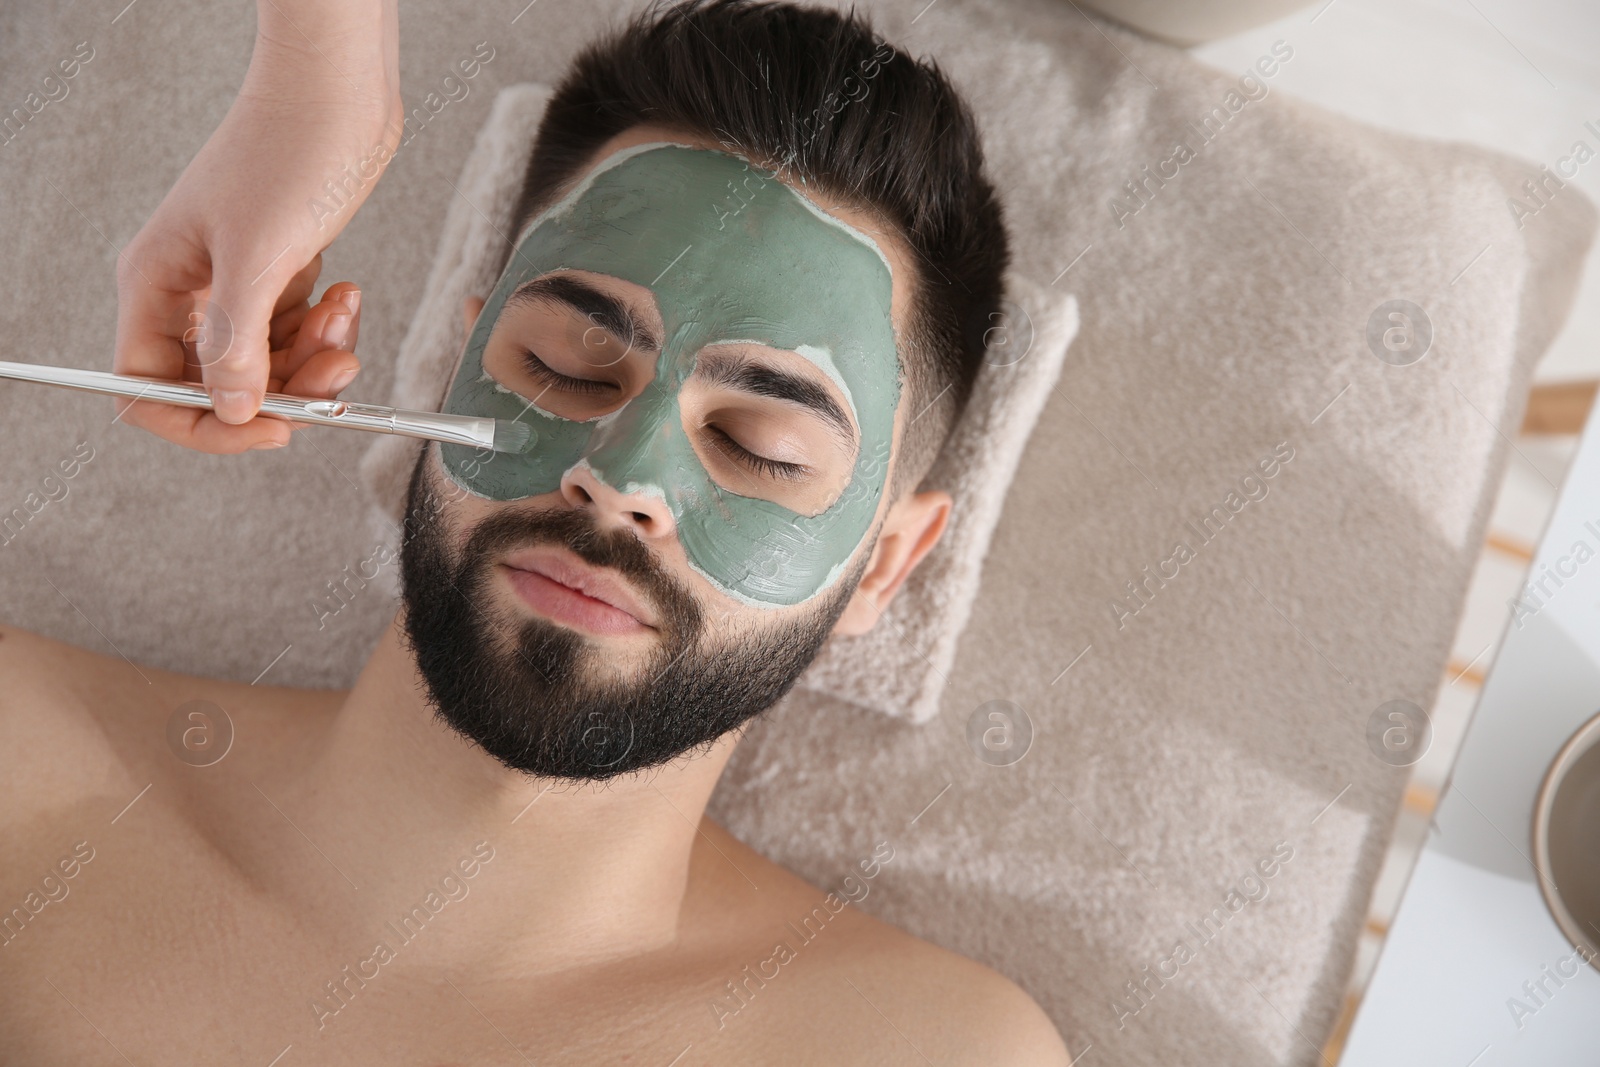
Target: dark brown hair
point(822, 95)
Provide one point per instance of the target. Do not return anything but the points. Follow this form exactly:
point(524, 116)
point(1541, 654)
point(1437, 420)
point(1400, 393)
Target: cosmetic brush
point(501, 435)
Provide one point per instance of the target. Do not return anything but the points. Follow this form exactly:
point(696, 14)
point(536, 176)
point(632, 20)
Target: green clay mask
point(731, 256)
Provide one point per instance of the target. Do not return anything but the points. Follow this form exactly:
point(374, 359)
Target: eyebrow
point(749, 376)
point(601, 308)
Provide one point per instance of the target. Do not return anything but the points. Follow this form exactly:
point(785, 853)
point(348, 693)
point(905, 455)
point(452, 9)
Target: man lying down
point(739, 325)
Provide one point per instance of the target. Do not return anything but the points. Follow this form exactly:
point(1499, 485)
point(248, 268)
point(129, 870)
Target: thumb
point(231, 342)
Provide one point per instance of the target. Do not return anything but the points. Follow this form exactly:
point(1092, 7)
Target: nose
point(646, 514)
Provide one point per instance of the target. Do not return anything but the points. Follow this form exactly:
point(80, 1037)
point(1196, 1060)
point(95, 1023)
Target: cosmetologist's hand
point(207, 289)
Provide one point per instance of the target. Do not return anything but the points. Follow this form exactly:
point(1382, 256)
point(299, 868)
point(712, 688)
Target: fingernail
point(222, 399)
point(344, 378)
point(351, 298)
point(337, 329)
point(259, 445)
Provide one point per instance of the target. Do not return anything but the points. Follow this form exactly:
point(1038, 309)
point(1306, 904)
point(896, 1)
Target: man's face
point(708, 363)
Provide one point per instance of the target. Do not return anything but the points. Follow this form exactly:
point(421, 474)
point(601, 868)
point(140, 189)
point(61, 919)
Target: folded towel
point(901, 666)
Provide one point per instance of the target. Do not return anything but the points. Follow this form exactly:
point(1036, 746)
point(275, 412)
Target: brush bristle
point(512, 436)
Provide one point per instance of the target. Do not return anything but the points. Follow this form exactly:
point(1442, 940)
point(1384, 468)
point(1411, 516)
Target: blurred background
point(1520, 76)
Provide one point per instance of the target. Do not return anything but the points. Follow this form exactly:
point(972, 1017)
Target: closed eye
point(773, 468)
point(551, 379)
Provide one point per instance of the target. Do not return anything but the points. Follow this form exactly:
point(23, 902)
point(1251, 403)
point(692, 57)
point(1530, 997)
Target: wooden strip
point(1472, 679)
point(1341, 1029)
point(1509, 546)
point(1559, 407)
point(1421, 799)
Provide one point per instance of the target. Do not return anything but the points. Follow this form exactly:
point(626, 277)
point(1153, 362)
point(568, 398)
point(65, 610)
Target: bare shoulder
point(55, 747)
point(53, 686)
point(27, 658)
point(889, 995)
point(90, 723)
point(43, 679)
point(970, 1012)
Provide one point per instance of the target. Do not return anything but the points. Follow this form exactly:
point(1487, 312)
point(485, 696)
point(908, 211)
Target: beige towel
point(901, 667)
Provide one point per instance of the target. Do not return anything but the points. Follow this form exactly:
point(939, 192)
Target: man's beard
point(538, 706)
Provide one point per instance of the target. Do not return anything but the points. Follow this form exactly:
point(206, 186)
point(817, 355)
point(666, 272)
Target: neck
point(580, 872)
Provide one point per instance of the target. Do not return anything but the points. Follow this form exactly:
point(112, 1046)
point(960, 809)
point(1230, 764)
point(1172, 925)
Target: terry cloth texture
point(1181, 729)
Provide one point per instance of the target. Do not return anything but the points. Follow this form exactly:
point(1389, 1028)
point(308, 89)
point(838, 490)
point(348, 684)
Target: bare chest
point(132, 940)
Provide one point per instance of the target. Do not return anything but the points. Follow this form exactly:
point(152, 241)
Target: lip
point(559, 586)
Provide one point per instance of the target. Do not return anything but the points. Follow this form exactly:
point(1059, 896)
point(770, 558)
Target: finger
point(150, 326)
point(293, 303)
point(235, 358)
point(285, 325)
point(201, 430)
point(324, 374)
point(276, 386)
point(333, 323)
point(299, 288)
point(152, 323)
point(343, 297)
point(347, 294)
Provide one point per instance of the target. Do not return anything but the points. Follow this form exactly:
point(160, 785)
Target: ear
point(471, 306)
point(910, 530)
